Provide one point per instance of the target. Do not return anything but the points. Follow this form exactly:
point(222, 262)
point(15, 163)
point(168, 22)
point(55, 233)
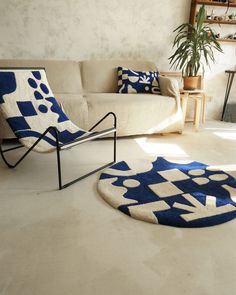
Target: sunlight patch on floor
point(222, 129)
point(227, 168)
point(171, 120)
point(162, 149)
point(226, 135)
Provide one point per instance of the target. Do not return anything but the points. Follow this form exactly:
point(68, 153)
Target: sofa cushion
point(136, 113)
point(100, 76)
point(131, 81)
point(63, 76)
point(75, 106)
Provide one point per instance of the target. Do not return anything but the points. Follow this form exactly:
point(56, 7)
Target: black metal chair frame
point(59, 147)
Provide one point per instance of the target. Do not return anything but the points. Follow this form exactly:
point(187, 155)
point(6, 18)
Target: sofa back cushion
point(63, 76)
point(100, 76)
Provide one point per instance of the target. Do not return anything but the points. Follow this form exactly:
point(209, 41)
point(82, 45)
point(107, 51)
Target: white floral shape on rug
point(198, 210)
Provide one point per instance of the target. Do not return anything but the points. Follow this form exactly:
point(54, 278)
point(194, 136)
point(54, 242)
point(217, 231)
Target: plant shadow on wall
point(195, 45)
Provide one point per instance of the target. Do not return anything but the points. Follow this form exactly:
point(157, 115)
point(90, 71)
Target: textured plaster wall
point(90, 29)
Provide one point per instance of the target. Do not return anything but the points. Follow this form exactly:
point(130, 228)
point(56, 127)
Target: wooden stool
point(200, 104)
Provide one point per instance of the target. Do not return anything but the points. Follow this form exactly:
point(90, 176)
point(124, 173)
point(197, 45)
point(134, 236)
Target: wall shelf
point(193, 12)
point(225, 22)
point(226, 40)
point(213, 3)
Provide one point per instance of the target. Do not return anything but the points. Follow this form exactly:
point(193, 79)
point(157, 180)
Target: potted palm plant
point(195, 45)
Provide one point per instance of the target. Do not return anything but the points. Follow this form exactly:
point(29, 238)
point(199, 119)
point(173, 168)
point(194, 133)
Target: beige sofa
point(87, 91)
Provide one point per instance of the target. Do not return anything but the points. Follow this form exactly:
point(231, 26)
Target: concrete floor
point(71, 242)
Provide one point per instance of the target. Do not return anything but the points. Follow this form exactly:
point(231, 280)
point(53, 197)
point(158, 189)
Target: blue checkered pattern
point(28, 105)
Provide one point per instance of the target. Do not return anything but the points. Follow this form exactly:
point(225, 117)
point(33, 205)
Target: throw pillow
point(130, 81)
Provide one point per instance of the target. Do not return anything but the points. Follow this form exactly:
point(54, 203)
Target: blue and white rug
point(177, 194)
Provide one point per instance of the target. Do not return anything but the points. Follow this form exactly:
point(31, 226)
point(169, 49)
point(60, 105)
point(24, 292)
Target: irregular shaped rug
point(178, 194)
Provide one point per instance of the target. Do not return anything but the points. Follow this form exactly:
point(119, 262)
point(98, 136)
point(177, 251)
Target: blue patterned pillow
point(130, 81)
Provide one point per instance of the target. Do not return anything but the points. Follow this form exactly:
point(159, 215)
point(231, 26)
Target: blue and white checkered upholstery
point(28, 105)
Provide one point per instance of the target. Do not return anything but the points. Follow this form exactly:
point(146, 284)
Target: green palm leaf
point(195, 45)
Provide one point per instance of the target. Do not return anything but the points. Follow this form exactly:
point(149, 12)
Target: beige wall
point(84, 29)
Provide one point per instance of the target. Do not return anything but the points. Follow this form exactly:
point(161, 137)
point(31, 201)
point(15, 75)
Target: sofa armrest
point(170, 87)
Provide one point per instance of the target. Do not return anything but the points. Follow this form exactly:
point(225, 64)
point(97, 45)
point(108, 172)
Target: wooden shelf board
point(193, 11)
point(226, 40)
point(225, 22)
point(212, 3)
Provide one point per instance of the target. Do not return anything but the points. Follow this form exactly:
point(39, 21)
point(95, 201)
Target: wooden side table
point(199, 97)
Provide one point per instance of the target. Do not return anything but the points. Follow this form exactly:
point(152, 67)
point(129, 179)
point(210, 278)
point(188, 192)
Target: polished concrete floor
point(71, 242)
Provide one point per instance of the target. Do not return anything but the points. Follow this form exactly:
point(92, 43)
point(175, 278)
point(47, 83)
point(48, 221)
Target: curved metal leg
point(2, 152)
point(8, 150)
point(58, 149)
point(28, 151)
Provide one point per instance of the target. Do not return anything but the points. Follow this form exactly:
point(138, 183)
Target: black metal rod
point(13, 148)
point(114, 125)
point(104, 166)
point(22, 68)
point(231, 77)
point(58, 149)
point(3, 157)
point(114, 150)
point(227, 92)
point(89, 137)
point(226, 98)
point(58, 160)
point(100, 121)
point(86, 175)
point(115, 135)
point(28, 151)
